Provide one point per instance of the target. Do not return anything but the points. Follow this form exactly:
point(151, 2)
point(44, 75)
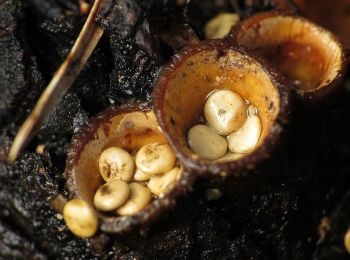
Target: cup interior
point(129, 131)
point(307, 55)
point(181, 97)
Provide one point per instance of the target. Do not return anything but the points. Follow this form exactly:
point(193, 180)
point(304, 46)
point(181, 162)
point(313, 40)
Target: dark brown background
point(281, 220)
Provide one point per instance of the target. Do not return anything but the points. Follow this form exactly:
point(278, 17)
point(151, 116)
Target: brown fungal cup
point(129, 127)
point(310, 57)
point(195, 72)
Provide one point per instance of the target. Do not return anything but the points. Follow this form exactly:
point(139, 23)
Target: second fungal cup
point(192, 75)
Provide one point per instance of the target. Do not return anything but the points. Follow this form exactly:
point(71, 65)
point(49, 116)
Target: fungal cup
point(310, 57)
point(130, 128)
point(197, 71)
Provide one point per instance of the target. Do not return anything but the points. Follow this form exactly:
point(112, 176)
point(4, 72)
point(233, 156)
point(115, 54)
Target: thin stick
point(61, 81)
